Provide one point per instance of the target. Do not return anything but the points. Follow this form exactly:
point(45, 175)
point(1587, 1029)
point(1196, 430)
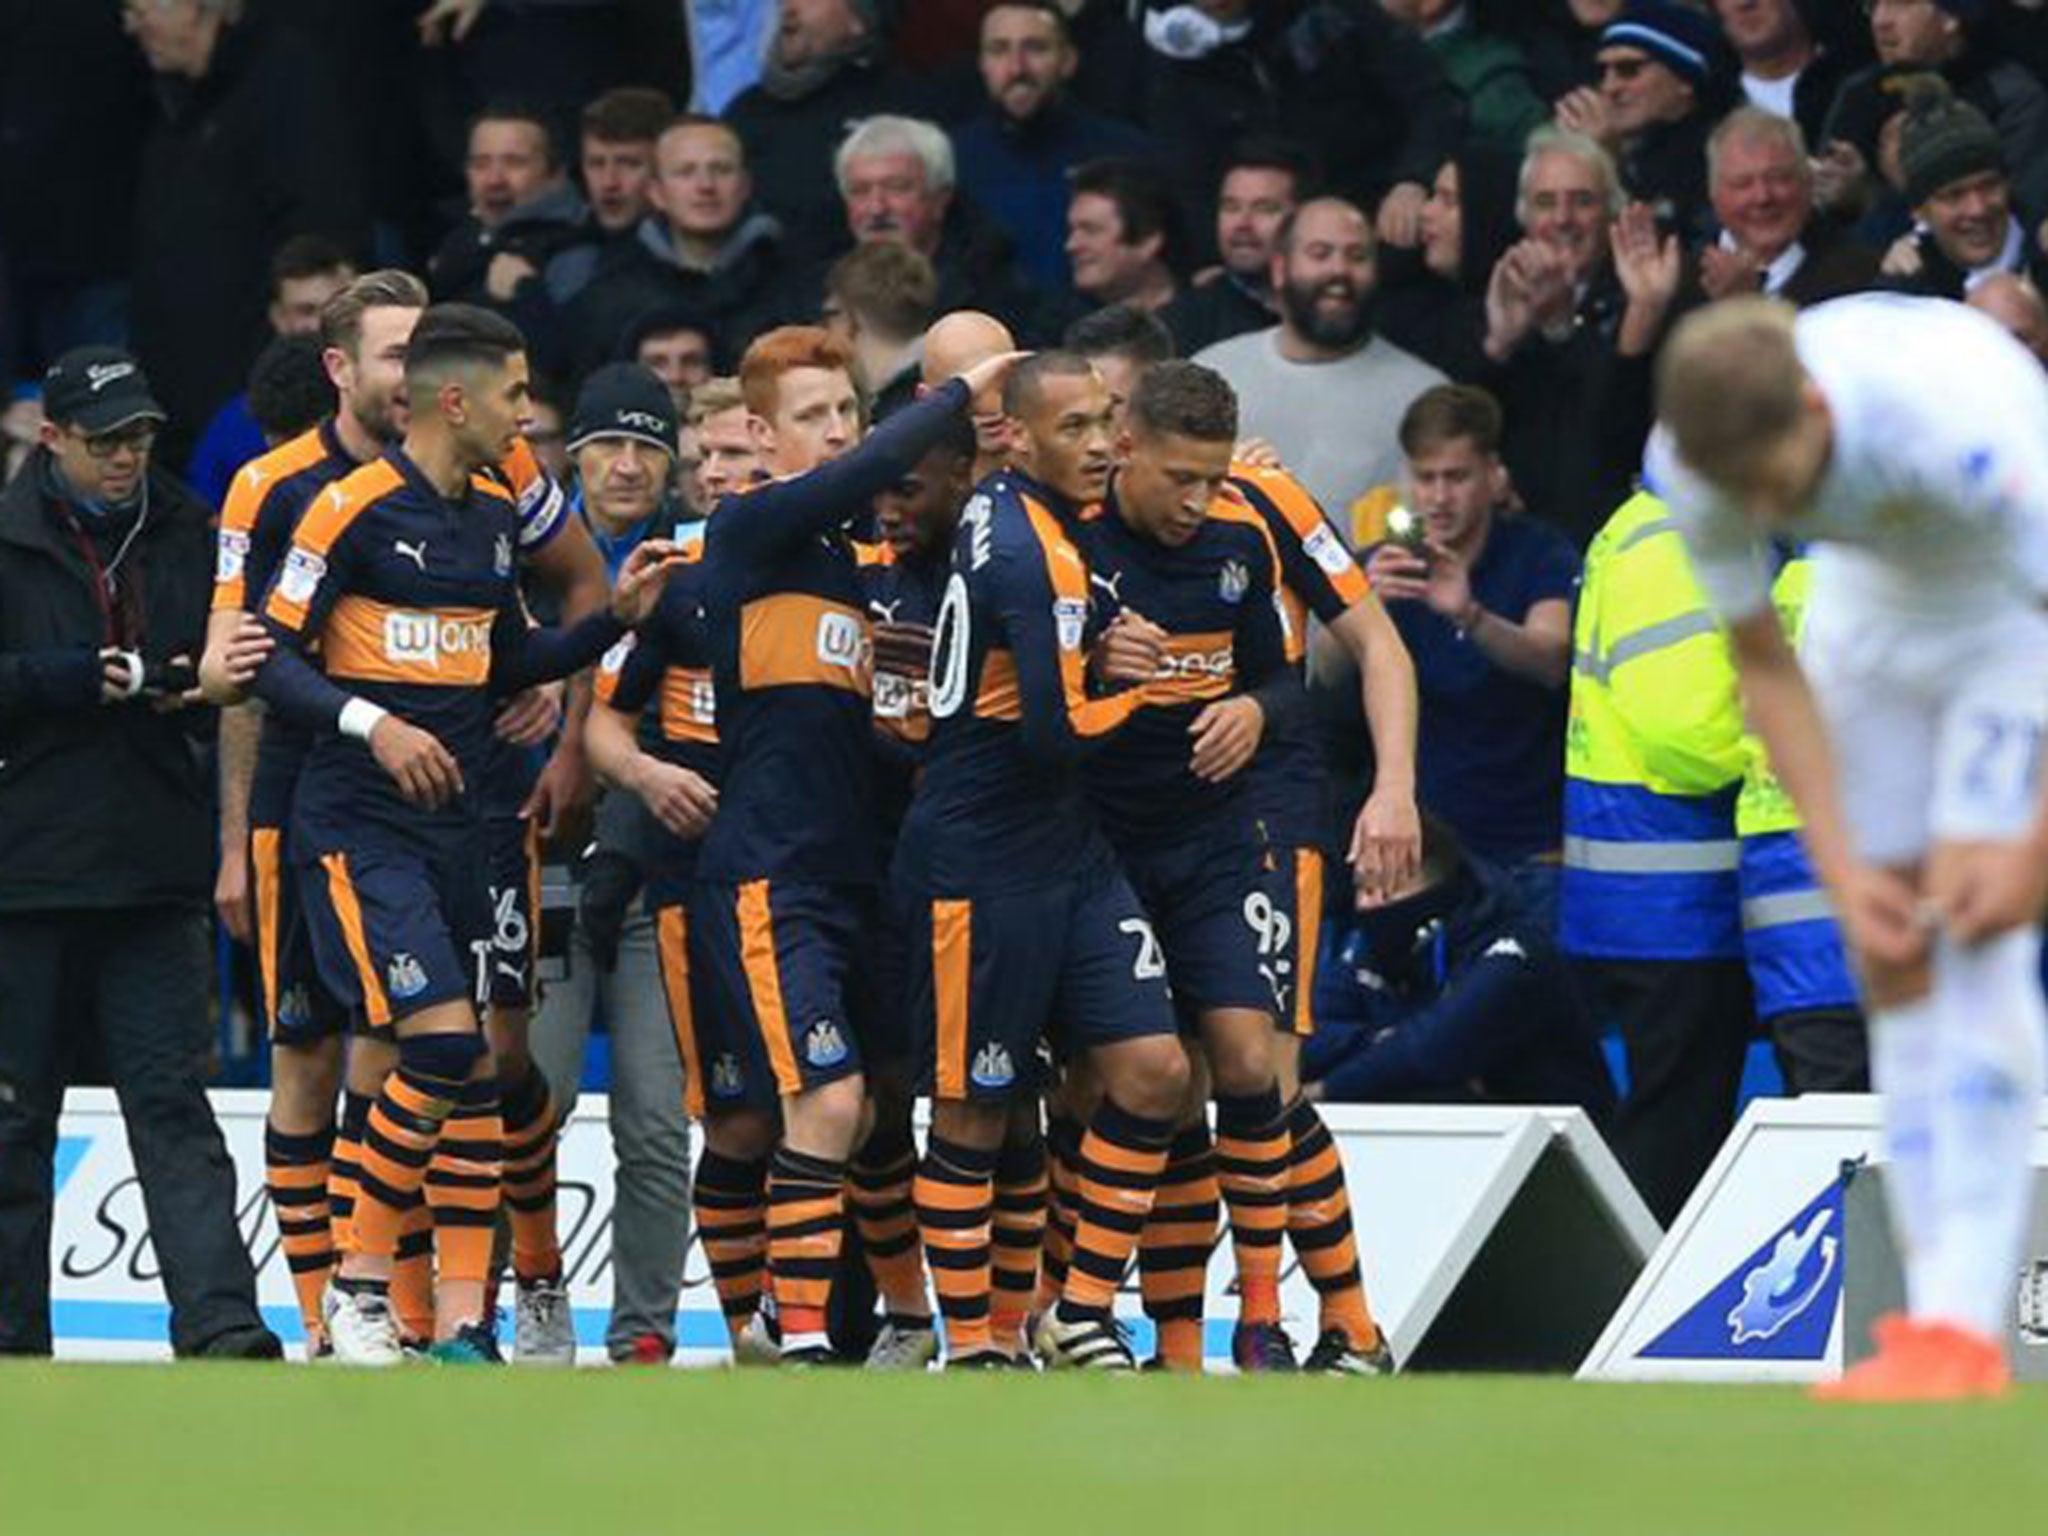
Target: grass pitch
point(225, 1449)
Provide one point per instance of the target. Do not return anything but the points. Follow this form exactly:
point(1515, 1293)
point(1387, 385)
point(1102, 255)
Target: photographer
point(1482, 599)
point(106, 823)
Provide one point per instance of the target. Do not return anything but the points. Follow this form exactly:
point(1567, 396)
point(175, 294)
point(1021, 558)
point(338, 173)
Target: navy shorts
point(398, 927)
point(991, 977)
point(1293, 931)
point(713, 1074)
point(513, 860)
point(1211, 897)
point(297, 1007)
point(782, 969)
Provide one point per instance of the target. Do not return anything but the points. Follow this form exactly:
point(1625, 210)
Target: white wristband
point(359, 717)
point(132, 660)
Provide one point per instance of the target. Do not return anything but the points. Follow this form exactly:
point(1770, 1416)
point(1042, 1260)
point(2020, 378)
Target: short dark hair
point(519, 112)
point(886, 284)
point(1181, 399)
point(289, 390)
point(341, 317)
point(1145, 204)
point(1272, 152)
point(1025, 383)
point(630, 114)
point(1046, 8)
point(460, 335)
point(1447, 413)
point(1122, 330)
point(306, 256)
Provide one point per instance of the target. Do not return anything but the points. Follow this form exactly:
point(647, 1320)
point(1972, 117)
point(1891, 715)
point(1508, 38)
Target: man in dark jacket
point(1450, 993)
point(1339, 74)
point(103, 892)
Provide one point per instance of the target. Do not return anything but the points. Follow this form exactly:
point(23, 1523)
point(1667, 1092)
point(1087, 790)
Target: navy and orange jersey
point(900, 591)
point(662, 672)
point(792, 662)
point(263, 505)
point(1319, 577)
point(412, 602)
point(1216, 598)
point(1000, 804)
point(544, 514)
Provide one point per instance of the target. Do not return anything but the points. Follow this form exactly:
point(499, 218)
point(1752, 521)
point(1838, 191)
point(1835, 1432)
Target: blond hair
point(1730, 384)
point(714, 397)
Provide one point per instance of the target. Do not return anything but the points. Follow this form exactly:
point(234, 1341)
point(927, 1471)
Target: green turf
point(295, 1452)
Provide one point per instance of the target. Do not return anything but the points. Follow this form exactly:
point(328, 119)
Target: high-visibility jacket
point(1789, 934)
point(1653, 755)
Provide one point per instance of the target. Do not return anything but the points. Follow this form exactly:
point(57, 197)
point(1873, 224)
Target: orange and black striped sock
point(1121, 1158)
point(345, 1171)
point(1019, 1233)
point(806, 1210)
point(1253, 1155)
point(296, 1169)
point(398, 1142)
point(1062, 1153)
point(531, 1131)
point(1174, 1248)
point(412, 1272)
point(1319, 1223)
point(731, 1201)
point(465, 1184)
point(955, 1212)
point(878, 1188)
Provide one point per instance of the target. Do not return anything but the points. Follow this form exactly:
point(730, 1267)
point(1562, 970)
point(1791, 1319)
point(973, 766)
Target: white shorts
point(1936, 727)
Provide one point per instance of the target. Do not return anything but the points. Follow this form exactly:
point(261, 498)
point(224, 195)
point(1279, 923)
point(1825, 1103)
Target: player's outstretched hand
point(989, 372)
point(1130, 649)
point(1986, 889)
point(1386, 845)
point(225, 672)
point(1882, 918)
point(644, 574)
point(679, 799)
point(1226, 737)
point(426, 773)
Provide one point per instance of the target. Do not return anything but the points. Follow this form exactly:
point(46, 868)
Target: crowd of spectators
point(1435, 246)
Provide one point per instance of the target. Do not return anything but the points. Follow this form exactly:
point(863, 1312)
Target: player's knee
point(305, 1078)
point(1239, 1048)
point(743, 1135)
point(1152, 1078)
point(447, 1058)
point(969, 1124)
point(826, 1121)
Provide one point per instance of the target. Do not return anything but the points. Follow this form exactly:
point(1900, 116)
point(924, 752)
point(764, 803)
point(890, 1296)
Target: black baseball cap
point(624, 400)
point(97, 389)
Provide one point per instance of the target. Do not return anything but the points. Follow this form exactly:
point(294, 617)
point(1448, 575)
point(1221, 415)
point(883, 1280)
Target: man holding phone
point(105, 575)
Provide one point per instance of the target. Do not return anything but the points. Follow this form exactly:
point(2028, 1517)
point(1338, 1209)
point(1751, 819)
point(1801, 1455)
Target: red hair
point(784, 350)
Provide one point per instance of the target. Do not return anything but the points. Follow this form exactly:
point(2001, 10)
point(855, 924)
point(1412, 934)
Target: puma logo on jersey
point(416, 553)
point(1109, 584)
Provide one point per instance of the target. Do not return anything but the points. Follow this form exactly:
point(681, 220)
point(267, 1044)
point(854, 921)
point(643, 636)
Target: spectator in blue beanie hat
point(1666, 75)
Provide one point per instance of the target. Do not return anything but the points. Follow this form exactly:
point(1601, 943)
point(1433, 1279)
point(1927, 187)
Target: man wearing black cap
point(1955, 181)
point(1666, 76)
point(623, 440)
point(104, 580)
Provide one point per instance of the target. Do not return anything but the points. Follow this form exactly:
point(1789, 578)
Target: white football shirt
point(1934, 503)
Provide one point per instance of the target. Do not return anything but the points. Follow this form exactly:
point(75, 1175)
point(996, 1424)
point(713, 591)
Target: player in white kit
point(1907, 441)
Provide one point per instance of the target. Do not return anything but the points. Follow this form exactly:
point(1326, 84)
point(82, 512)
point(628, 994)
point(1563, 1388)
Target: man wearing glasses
point(105, 819)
